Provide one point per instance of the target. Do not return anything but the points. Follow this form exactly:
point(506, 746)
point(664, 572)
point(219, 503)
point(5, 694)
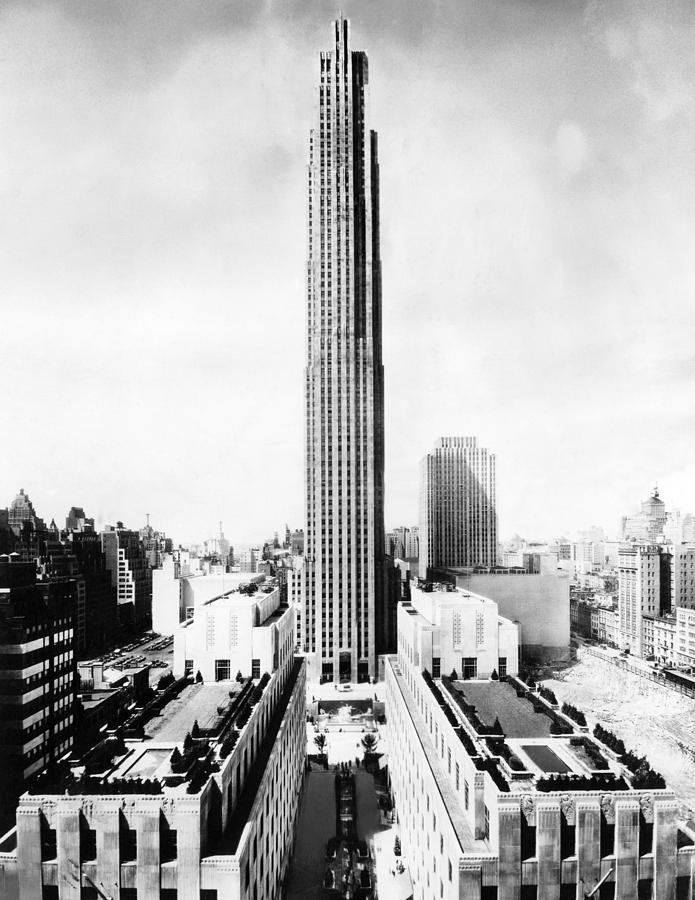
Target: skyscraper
point(458, 519)
point(344, 476)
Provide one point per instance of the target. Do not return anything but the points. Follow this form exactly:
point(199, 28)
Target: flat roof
point(196, 702)
point(498, 699)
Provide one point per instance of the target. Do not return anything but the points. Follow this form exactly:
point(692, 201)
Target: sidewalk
point(390, 884)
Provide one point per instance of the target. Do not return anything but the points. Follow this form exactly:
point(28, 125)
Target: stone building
point(500, 795)
point(173, 815)
point(344, 415)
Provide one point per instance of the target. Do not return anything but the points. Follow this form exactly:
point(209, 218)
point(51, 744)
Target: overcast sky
point(538, 219)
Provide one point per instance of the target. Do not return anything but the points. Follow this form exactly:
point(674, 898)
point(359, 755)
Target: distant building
point(248, 559)
point(458, 517)
point(76, 520)
point(643, 590)
point(296, 544)
point(682, 576)
point(649, 524)
point(22, 511)
point(131, 575)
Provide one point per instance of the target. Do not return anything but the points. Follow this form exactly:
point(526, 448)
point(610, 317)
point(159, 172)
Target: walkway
point(316, 825)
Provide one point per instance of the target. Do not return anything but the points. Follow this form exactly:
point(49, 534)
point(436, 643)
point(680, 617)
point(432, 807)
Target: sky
point(538, 213)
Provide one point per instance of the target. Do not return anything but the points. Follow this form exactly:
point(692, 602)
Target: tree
point(195, 731)
point(320, 741)
point(239, 676)
point(369, 742)
point(397, 846)
point(198, 677)
point(175, 760)
point(497, 727)
point(454, 675)
point(187, 743)
point(494, 676)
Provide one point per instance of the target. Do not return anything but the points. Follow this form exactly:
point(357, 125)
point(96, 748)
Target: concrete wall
point(538, 603)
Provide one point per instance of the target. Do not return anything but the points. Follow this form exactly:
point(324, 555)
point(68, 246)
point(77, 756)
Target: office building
point(649, 524)
point(131, 575)
point(458, 519)
point(238, 631)
point(453, 630)
point(644, 589)
point(344, 472)
point(37, 674)
point(22, 511)
point(157, 812)
point(499, 794)
point(535, 598)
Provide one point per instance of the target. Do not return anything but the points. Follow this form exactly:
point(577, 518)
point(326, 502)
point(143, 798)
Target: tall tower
point(458, 519)
point(344, 475)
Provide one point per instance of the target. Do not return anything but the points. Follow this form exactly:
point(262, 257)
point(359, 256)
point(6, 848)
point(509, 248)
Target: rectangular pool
point(545, 758)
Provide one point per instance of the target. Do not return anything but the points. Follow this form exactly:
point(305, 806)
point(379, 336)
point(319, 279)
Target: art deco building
point(458, 520)
point(500, 794)
point(344, 377)
point(194, 797)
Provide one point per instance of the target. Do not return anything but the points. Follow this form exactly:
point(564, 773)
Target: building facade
point(458, 518)
point(639, 591)
point(344, 380)
point(482, 814)
point(220, 825)
point(131, 575)
point(37, 674)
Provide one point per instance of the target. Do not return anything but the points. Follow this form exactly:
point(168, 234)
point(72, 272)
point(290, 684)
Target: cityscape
point(439, 708)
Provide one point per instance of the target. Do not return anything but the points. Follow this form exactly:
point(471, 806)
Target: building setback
point(209, 816)
point(458, 518)
point(482, 809)
point(344, 475)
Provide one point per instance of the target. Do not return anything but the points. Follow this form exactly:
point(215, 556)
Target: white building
point(451, 629)
point(537, 602)
point(176, 590)
point(234, 632)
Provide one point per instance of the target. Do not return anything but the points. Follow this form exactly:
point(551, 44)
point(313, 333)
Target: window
point(470, 667)
point(466, 797)
point(487, 822)
point(255, 668)
point(502, 667)
point(458, 775)
point(436, 667)
point(188, 666)
point(479, 628)
point(222, 669)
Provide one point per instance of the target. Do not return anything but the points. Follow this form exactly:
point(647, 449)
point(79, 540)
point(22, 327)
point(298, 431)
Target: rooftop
point(196, 702)
point(498, 699)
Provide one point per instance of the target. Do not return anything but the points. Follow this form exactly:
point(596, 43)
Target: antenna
point(148, 519)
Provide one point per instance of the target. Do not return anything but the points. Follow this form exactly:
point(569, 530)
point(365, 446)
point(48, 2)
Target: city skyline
point(145, 189)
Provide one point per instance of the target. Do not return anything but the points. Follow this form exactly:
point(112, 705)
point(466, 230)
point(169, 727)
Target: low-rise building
point(536, 601)
point(235, 632)
point(452, 630)
point(498, 794)
point(177, 815)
